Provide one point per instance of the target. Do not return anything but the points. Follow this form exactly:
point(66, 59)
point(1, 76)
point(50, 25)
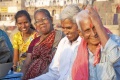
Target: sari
point(42, 55)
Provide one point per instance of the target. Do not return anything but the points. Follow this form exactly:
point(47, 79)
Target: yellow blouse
point(21, 45)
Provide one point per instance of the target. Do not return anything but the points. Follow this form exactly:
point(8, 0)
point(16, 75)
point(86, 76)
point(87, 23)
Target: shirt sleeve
point(112, 49)
point(15, 41)
point(53, 73)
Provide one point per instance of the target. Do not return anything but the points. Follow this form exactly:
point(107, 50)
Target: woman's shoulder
point(36, 39)
point(35, 34)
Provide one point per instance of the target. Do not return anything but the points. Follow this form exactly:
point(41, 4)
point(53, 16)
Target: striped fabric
point(110, 56)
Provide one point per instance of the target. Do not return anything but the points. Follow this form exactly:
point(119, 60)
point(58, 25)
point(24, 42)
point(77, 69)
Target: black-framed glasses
point(42, 20)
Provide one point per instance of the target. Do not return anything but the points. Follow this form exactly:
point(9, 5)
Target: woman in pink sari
point(41, 49)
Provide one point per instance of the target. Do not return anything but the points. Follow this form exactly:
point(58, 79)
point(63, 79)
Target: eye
point(45, 18)
point(94, 28)
point(69, 27)
point(19, 23)
point(87, 31)
point(36, 21)
point(26, 22)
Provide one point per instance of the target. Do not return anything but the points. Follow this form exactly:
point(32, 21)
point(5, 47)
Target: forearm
point(15, 61)
point(47, 76)
point(24, 69)
point(26, 64)
point(102, 33)
point(16, 57)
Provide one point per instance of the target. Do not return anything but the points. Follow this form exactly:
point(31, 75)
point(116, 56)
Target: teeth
point(23, 29)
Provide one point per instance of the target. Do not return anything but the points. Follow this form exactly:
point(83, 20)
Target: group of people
point(83, 50)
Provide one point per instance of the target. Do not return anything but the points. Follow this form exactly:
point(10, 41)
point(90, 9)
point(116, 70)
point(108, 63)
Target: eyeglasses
point(42, 20)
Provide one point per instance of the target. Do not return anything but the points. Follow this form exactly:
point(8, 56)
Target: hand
point(23, 55)
point(94, 16)
point(14, 67)
point(96, 21)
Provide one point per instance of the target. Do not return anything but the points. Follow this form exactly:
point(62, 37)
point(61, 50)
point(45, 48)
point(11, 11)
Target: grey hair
point(80, 17)
point(69, 12)
point(45, 11)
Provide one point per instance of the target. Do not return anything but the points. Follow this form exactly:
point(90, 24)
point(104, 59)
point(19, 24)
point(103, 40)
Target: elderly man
point(60, 68)
point(99, 51)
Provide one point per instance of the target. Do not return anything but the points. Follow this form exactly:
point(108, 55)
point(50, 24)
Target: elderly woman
point(41, 49)
point(60, 68)
point(99, 52)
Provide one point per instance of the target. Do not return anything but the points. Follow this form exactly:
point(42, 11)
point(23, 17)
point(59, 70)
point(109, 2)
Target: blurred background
point(109, 11)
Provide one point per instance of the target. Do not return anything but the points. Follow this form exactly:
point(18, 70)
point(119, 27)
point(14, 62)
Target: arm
point(26, 64)
point(15, 59)
point(53, 73)
point(95, 18)
point(15, 52)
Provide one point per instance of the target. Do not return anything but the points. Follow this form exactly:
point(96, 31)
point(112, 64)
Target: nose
point(23, 25)
point(93, 32)
point(41, 22)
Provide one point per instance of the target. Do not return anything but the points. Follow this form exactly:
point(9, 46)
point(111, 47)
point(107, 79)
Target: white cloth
point(60, 68)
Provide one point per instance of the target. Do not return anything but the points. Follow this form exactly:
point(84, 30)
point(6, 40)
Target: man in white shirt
point(60, 68)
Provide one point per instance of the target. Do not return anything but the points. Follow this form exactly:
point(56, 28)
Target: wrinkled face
point(89, 32)
point(43, 23)
point(70, 29)
point(23, 24)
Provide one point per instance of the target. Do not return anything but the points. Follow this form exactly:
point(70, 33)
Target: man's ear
point(80, 33)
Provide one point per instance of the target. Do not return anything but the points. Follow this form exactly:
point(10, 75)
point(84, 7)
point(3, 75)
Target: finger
point(90, 9)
